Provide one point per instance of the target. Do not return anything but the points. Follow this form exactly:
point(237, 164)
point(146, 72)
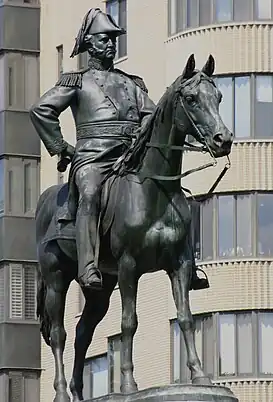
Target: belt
point(117, 130)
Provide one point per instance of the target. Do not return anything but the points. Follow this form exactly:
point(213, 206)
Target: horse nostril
point(218, 139)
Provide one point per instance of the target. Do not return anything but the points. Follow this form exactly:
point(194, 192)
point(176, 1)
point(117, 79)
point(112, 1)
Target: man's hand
point(65, 158)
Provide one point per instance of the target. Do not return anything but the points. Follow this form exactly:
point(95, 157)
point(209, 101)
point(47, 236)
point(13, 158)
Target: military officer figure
point(108, 106)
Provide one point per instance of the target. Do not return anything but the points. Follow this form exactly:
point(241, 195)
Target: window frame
point(217, 377)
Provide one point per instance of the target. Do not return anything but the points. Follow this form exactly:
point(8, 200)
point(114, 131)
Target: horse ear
point(189, 68)
point(209, 67)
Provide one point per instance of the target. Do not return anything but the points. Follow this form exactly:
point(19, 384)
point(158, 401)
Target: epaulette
point(71, 79)
point(137, 80)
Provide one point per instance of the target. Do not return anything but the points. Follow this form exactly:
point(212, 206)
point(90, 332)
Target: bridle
point(205, 148)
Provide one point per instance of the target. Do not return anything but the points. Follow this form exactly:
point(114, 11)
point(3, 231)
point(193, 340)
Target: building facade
point(232, 230)
point(20, 357)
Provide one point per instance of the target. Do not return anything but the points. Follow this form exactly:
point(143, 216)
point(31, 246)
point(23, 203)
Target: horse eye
point(189, 99)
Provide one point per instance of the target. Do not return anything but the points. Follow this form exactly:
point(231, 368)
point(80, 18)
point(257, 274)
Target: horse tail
point(45, 323)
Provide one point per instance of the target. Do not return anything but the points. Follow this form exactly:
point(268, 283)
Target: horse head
point(198, 98)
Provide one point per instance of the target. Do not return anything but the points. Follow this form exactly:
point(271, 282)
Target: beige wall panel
point(234, 285)
point(251, 169)
point(236, 48)
point(251, 391)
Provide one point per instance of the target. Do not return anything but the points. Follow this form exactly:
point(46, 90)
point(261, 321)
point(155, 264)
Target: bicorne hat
point(95, 22)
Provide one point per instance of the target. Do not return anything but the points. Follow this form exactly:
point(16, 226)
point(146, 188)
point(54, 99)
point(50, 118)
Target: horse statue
point(147, 230)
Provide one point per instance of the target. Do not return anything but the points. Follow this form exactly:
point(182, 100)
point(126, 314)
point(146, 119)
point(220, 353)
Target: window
point(228, 345)
point(2, 186)
point(223, 226)
point(263, 9)
point(263, 106)
point(184, 14)
point(226, 226)
point(22, 186)
point(23, 386)
point(118, 10)
point(114, 364)
point(23, 289)
point(95, 377)
point(82, 60)
point(60, 59)
point(27, 187)
point(245, 99)
point(2, 83)
point(265, 224)
point(207, 229)
point(22, 78)
point(223, 10)
point(2, 294)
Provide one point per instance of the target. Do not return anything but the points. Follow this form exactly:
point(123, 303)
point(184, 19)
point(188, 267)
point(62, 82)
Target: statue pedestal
point(175, 393)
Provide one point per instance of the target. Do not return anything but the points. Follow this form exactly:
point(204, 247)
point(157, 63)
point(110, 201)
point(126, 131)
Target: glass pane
point(2, 83)
point(265, 224)
point(205, 12)
point(27, 187)
point(227, 344)
point(207, 229)
point(172, 15)
point(245, 344)
point(263, 10)
point(114, 346)
point(122, 40)
point(87, 394)
point(176, 352)
point(181, 15)
point(2, 186)
point(192, 13)
point(2, 294)
point(112, 8)
point(226, 226)
point(223, 10)
point(208, 348)
point(265, 352)
point(263, 107)
point(244, 226)
point(99, 369)
point(242, 10)
point(195, 211)
point(226, 106)
point(198, 338)
point(242, 107)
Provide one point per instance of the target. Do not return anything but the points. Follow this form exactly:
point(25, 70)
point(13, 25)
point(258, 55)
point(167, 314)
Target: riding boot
point(86, 229)
point(196, 282)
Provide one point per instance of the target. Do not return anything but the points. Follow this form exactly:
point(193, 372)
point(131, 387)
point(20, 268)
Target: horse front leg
point(180, 281)
point(128, 283)
point(55, 306)
point(96, 306)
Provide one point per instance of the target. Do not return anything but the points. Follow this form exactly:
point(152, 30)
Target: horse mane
point(135, 155)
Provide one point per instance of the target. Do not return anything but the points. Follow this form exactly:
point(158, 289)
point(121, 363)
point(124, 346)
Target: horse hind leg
point(54, 288)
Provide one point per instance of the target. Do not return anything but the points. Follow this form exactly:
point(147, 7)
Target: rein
point(189, 147)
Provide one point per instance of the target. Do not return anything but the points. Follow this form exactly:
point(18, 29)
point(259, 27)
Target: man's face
point(103, 46)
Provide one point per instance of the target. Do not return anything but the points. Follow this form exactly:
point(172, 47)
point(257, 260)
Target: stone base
point(175, 393)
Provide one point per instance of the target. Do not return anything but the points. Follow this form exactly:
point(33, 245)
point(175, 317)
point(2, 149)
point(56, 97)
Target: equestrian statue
point(123, 212)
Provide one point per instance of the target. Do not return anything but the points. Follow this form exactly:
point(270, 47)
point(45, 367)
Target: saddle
point(64, 229)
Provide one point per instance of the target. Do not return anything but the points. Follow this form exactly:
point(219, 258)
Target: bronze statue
point(109, 108)
point(124, 189)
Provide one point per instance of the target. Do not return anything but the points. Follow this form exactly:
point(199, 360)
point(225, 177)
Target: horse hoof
point(62, 397)
point(129, 388)
point(201, 381)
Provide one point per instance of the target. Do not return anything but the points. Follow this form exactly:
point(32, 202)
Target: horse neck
point(164, 162)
